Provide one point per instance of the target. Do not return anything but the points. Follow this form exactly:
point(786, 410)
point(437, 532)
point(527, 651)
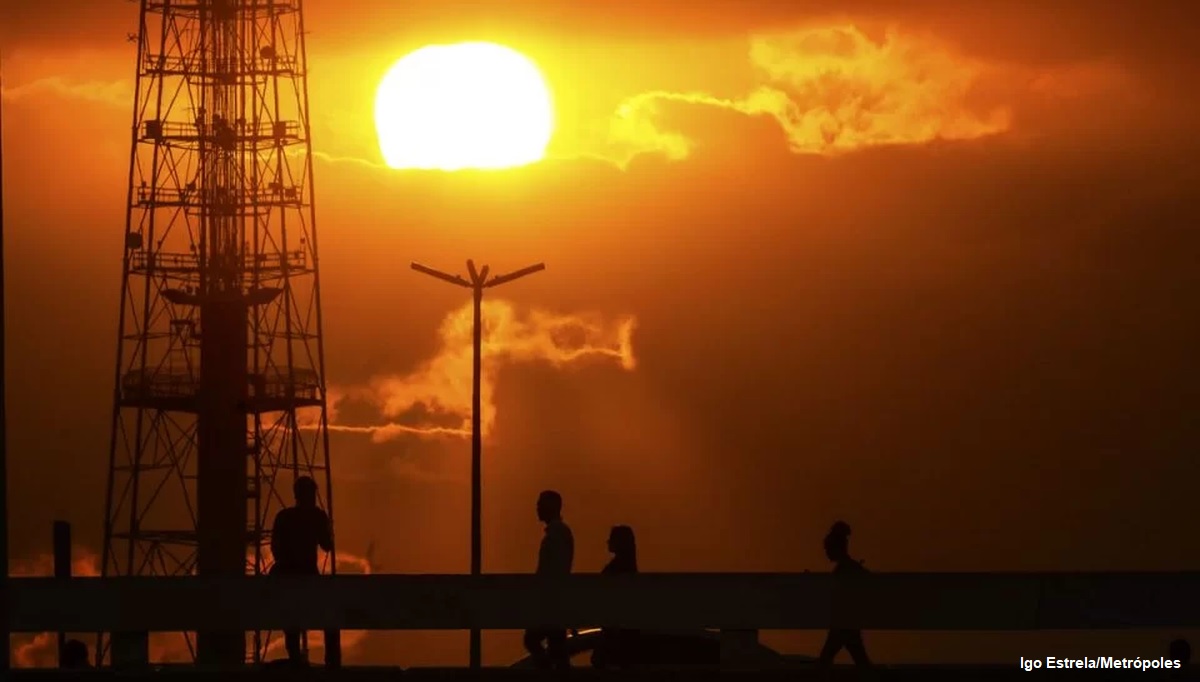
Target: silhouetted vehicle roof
point(669, 648)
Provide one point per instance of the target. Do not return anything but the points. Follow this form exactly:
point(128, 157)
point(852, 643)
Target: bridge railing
point(734, 601)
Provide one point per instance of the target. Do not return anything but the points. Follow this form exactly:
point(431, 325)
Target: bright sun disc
point(468, 105)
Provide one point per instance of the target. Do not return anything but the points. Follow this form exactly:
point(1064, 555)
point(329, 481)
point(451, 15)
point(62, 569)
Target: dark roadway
point(352, 674)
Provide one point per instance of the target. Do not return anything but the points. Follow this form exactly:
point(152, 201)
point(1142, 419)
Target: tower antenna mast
point(219, 386)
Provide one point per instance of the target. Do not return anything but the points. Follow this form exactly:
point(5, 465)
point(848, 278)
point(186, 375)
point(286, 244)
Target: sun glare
point(468, 105)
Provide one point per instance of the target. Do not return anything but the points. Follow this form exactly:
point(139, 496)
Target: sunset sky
point(929, 267)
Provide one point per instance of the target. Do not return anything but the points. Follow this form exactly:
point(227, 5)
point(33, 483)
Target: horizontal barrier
point(741, 601)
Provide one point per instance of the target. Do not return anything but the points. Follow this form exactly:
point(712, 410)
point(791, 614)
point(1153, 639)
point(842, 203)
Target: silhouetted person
point(75, 655)
point(837, 548)
point(295, 537)
point(617, 646)
point(1181, 651)
point(554, 560)
point(623, 546)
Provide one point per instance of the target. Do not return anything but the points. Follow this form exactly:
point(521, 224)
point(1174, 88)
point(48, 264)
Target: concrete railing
point(734, 601)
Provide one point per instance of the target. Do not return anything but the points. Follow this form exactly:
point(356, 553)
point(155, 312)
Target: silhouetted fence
point(734, 601)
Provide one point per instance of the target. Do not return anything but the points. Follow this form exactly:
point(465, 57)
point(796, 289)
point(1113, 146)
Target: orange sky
point(931, 271)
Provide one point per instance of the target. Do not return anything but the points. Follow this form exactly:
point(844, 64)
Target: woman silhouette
point(618, 646)
point(837, 548)
point(623, 546)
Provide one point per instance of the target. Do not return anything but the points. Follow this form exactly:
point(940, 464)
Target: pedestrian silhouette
point(554, 560)
point(74, 655)
point(618, 645)
point(623, 546)
point(837, 549)
point(1180, 650)
point(295, 537)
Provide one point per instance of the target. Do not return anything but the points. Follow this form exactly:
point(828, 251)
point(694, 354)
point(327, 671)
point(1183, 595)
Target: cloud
point(334, 158)
point(40, 649)
point(831, 90)
point(84, 563)
point(112, 93)
point(435, 400)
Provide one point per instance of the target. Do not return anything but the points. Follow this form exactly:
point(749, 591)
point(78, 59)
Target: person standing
point(555, 557)
point(618, 646)
point(297, 533)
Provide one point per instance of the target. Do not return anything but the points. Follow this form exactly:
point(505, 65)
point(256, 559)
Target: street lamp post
point(477, 283)
point(4, 644)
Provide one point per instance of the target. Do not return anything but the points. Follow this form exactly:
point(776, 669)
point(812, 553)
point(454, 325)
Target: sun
point(467, 105)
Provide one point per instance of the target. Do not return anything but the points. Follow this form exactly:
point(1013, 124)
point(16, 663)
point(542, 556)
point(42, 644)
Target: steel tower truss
point(220, 391)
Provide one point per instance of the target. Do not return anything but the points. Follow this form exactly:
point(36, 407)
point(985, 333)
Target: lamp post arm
point(504, 279)
point(453, 279)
